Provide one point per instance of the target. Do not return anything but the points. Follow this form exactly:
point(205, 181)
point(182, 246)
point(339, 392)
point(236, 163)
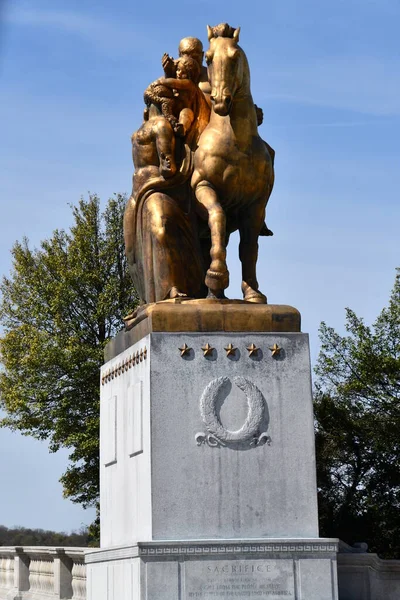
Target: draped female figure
point(161, 239)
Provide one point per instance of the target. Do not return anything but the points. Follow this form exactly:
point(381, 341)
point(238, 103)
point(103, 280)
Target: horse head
point(227, 66)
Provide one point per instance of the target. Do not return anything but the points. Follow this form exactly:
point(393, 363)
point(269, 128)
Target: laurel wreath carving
point(250, 431)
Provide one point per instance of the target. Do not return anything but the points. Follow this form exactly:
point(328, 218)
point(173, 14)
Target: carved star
point(275, 350)
point(230, 350)
point(252, 349)
point(207, 349)
point(184, 350)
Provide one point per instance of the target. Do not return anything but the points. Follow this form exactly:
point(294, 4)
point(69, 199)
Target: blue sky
point(327, 75)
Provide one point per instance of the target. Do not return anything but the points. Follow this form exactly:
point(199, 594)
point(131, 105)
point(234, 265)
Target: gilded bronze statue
point(233, 169)
point(160, 229)
point(201, 172)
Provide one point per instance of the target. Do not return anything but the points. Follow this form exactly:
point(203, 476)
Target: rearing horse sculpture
point(233, 167)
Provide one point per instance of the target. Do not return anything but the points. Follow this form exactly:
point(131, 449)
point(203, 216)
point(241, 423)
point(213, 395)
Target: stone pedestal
point(215, 570)
point(208, 485)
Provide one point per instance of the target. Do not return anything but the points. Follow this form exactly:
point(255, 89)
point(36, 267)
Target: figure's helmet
point(192, 47)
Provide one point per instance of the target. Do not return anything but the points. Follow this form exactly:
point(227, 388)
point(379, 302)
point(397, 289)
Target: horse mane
point(223, 30)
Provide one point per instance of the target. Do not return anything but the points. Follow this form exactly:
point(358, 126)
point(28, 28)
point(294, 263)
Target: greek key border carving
point(237, 549)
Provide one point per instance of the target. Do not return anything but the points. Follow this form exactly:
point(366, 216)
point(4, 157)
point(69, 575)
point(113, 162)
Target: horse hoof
point(251, 295)
point(217, 280)
point(175, 293)
point(256, 298)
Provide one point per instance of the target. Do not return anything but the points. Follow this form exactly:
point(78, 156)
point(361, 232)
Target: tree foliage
point(24, 536)
point(357, 410)
point(59, 306)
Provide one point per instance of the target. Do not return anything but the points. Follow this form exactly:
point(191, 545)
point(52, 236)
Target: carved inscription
point(221, 580)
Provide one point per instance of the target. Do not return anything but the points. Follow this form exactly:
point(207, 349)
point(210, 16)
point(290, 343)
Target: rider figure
point(174, 97)
point(193, 48)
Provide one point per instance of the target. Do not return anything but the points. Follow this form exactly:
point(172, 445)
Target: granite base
point(296, 569)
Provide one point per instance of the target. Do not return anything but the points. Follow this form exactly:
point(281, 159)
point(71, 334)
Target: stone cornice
point(205, 548)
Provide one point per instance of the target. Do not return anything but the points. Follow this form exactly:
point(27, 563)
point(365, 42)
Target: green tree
point(60, 305)
point(24, 536)
point(357, 411)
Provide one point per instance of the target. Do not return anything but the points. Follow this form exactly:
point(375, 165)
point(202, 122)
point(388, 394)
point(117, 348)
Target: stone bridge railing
point(36, 573)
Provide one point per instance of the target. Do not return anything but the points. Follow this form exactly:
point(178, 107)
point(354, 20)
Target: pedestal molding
point(265, 548)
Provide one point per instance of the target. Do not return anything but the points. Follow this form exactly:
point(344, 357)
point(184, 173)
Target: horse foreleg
point(249, 231)
point(217, 277)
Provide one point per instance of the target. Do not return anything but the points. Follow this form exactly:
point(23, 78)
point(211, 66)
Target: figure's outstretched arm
point(178, 84)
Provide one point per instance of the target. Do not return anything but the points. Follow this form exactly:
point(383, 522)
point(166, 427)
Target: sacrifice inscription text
point(217, 580)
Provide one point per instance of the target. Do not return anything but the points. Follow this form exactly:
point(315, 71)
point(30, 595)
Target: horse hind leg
point(248, 253)
point(217, 276)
